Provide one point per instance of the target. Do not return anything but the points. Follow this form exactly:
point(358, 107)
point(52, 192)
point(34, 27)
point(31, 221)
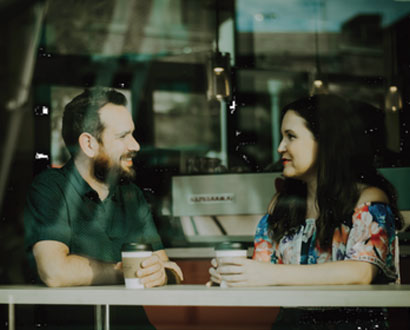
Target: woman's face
point(298, 148)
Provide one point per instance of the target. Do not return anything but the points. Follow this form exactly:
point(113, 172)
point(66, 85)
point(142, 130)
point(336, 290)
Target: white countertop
point(199, 295)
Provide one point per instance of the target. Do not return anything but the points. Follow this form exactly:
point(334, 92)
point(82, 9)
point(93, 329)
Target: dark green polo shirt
point(61, 206)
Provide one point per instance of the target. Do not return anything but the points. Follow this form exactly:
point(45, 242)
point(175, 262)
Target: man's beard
point(106, 172)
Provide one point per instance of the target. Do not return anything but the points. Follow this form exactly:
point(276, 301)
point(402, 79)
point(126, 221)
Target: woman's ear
point(88, 144)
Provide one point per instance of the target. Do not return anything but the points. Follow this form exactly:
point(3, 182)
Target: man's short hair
point(82, 115)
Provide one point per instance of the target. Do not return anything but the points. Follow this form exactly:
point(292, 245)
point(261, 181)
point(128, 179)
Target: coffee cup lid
point(230, 246)
point(136, 247)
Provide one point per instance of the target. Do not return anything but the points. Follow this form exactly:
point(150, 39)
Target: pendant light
point(319, 83)
point(219, 69)
point(393, 101)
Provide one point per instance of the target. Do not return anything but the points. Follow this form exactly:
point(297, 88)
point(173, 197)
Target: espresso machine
point(221, 207)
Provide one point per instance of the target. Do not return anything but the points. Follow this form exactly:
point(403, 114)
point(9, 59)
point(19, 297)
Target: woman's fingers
point(216, 280)
point(214, 272)
point(231, 261)
point(233, 278)
point(214, 275)
point(229, 269)
point(214, 263)
point(237, 284)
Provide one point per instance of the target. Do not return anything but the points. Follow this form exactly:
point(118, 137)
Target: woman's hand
point(239, 272)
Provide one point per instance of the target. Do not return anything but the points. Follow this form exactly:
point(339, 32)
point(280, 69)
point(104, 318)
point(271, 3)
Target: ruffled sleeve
point(372, 238)
point(263, 247)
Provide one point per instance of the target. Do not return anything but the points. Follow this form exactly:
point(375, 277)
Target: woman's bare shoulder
point(371, 194)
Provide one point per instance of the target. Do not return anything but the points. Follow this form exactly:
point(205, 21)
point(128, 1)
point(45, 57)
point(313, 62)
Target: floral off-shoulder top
point(371, 238)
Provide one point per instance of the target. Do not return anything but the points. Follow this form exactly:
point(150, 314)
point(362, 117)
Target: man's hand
point(152, 272)
point(158, 270)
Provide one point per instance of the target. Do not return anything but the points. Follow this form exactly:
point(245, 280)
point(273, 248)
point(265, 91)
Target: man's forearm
point(57, 267)
point(76, 270)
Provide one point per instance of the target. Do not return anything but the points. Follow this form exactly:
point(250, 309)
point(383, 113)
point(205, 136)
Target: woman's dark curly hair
point(344, 160)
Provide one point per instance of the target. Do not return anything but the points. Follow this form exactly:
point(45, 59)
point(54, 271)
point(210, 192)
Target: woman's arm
point(247, 272)
point(372, 194)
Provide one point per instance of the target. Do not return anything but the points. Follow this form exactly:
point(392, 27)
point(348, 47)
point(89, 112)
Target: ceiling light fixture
point(219, 72)
point(393, 101)
point(319, 84)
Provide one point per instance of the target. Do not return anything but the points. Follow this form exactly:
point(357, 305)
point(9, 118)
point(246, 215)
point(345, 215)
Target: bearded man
point(77, 217)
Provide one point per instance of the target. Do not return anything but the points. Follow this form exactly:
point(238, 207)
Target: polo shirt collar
point(81, 186)
point(75, 178)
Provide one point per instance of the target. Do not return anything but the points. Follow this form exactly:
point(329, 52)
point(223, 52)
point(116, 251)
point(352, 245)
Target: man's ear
point(88, 144)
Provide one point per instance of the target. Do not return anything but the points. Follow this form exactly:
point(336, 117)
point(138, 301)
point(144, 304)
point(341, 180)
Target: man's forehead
point(116, 117)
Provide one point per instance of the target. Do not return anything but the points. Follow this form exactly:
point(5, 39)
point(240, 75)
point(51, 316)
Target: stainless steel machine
point(220, 207)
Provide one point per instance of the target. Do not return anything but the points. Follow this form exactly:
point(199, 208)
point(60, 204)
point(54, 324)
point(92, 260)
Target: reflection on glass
point(185, 121)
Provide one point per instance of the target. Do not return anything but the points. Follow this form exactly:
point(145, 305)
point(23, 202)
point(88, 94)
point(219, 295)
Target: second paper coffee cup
point(229, 250)
point(132, 255)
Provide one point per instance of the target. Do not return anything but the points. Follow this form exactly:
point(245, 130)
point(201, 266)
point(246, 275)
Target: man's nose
point(134, 145)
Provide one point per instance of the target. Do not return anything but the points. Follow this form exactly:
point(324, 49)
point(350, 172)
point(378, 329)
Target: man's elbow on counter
point(52, 279)
point(51, 282)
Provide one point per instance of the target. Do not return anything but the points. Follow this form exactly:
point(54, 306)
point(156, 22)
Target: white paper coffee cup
point(229, 250)
point(132, 255)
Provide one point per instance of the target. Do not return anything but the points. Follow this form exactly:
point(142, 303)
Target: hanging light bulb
point(221, 72)
point(319, 84)
point(393, 101)
point(219, 67)
point(393, 105)
point(318, 87)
